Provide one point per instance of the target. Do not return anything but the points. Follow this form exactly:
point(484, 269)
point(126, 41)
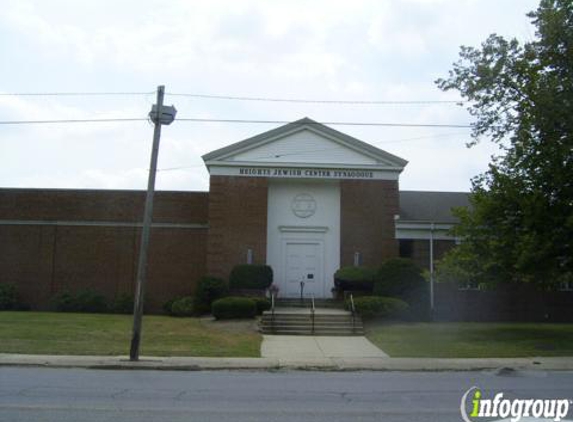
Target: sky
point(383, 50)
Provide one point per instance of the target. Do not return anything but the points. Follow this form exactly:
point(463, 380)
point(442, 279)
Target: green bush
point(369, 307)
point(208, 290)
point(403, 279)
point(262, 304)
point(122, 304)
point(90, 301)
point(249, 276)
point(234, 307)
point(84, 301)
point(167, 305)
point(398, 277)
point(353, 278)
point(64, 302)
point(184, 306)
point(8, 296)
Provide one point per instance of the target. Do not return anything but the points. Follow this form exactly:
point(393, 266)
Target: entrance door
point(303, 264)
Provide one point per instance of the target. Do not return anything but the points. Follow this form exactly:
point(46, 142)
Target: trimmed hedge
point(166, 307)
point(249, 276)
point(379, 307)
point(261, 304)
point(8, 296)
point(234, 307)
point(83, 301)
point(208, 290)
point(353, 278)
point(183, 307)
point(398, 277)
point(122, 304)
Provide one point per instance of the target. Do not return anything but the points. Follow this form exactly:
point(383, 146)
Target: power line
point(325, 123)
point(70, 94)
point(234, 98)
point(441, 135)
point(315, 101)
point(41, 122)
point(240, 121)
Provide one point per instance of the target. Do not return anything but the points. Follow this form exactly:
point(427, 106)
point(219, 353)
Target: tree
point(520, 226)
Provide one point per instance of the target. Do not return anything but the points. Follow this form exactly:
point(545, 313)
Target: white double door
point(303, 268)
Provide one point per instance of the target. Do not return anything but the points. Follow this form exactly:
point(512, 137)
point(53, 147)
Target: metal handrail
point(353, 312)
point(273, 312)
point(312, 310)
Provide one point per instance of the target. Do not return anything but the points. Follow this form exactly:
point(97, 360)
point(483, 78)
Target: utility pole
point(432, 269)
point(159, 115)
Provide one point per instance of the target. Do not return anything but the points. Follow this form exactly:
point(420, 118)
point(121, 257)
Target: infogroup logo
point(515, 409)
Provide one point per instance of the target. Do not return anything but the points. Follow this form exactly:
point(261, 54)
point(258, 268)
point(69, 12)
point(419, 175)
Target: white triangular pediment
point(306, 147)
point(304, 142)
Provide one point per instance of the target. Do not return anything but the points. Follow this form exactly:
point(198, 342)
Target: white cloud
point(390, 50)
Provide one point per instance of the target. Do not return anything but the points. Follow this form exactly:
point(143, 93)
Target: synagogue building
point(303, 198)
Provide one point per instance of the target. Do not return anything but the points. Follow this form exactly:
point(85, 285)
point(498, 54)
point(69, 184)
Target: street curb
point(273, 364)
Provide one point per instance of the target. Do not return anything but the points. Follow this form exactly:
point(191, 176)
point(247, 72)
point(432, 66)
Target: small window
point(406, 248)
point(566, 286)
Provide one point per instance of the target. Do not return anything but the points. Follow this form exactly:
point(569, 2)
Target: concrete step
point(308, 318)
point(290, 321)
point(316, 333)
point(316, 326)
point(270, 322)
point(306, 303)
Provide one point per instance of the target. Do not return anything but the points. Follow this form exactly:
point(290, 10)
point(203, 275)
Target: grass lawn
point(102, 334)
point(471, 340)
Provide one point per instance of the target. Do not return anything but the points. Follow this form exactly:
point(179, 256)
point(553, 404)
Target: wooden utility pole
point(145, 231)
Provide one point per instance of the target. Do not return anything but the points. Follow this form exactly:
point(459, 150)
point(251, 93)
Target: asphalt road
point(41, 394)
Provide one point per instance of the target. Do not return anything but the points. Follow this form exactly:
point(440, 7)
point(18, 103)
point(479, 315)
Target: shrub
point(64, 302)
point(398, 277)
point(84, 301)
point(90, 301)
point(168, 305)
point(184, 306)
point(8, 296)
point(122, 304)
point(233, 307)
point(354, 279)
point(379, 307)
point(249, 276)
point(208, 290)
point(262, 304)
point(403, 279)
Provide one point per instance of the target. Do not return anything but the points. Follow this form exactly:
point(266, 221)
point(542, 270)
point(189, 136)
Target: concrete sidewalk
point(316, 363)
point(288, 348)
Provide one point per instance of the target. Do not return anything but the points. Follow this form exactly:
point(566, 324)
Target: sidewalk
point(297, 352)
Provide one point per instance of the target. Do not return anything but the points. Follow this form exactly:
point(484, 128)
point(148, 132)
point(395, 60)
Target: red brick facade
point(54, 240)
point(237, 222)
point(367, 210)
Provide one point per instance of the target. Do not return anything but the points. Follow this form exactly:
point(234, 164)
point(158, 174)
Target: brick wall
point(102, 205)
point(51, 240)
point(367, 210)
point(237, 222)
